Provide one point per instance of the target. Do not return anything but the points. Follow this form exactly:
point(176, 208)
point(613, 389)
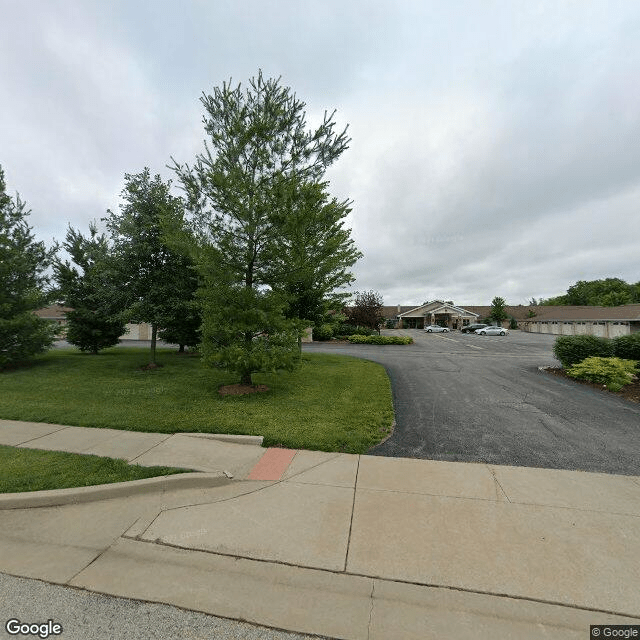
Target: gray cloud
point(494, 147)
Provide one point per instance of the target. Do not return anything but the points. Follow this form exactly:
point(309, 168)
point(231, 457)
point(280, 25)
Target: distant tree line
point(607, 292)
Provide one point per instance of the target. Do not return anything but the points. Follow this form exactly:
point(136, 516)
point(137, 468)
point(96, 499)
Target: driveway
point(471, 398)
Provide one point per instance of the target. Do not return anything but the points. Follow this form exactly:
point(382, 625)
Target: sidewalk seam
point(44, 436)
point(353, 508)
point(107, 548)
point(196, 504)
point(373, 589)
point(495, 479)
point(308, 468)
point(149, 449)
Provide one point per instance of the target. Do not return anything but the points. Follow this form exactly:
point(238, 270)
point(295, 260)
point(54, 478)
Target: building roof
point(53, 312)
point(392, 311)
point(627, 312)
point(519, 312)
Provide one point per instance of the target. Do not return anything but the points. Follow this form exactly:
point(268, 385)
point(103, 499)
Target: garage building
point(605, 322)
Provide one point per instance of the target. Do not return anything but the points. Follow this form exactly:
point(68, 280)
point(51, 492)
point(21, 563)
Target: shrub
point(323, 332)
point(627, 346)
point(573, 349)
point(352, 330)
point(356, 339)
point(513, 323)
point(612, 372)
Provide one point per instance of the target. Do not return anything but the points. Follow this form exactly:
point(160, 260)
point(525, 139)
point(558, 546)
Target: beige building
point(58, 314)
point(606, 322)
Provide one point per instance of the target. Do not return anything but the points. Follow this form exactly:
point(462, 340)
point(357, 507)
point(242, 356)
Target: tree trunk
point(245, 378)
point(181, 348)
point(154, 333)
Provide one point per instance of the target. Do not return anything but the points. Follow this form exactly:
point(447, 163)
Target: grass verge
point(330, 403)
point(36, 470)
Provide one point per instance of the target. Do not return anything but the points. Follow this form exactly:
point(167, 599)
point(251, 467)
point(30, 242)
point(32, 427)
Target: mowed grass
point(34, 470)
point(330, 403)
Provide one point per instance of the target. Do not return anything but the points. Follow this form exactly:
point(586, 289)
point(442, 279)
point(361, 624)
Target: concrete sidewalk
point(341, 545)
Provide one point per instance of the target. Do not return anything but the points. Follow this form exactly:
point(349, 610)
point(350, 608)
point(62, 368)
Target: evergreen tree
point(23, 284)
point(88, 285)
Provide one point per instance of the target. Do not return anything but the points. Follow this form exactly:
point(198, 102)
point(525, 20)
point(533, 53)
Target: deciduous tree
point(366, 310)
point(312, 269)
point(158, 282)
point(239, 193)
point(498, 313)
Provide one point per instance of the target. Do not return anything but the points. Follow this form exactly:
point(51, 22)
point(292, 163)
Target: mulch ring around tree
point(241, 389)
point(629, 392)
point(151, 366)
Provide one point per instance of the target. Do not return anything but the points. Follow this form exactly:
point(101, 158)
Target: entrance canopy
point(436, 312)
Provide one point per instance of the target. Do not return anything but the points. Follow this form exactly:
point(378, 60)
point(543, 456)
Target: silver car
point(434, 328)
point(492, 331)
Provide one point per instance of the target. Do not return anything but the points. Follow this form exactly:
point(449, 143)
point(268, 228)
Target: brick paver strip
point(273, 464)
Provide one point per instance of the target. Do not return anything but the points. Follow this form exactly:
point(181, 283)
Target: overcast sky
point(495, 145)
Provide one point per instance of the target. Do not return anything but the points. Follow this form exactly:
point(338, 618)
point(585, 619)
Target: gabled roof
point(433, 307)
point(391, 311)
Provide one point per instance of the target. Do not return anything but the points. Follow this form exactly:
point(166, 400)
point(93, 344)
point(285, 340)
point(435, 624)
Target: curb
point(78, 495)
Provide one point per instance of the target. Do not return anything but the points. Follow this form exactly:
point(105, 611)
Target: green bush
point(513, 323)
point(323, 332)
point(627, 346)
point(380, 339)
point(612, 372)
point(90, 331)
point(573, 349)
point(352, 330)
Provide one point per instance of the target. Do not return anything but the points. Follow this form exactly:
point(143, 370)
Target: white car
point(434, 328)
point(492, 331)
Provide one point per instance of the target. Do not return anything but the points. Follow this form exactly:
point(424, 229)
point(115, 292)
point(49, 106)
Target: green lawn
point(331, 403)
point(35, 470)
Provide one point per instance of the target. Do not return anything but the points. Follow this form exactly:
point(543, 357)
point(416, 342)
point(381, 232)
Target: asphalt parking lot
point(473, 398)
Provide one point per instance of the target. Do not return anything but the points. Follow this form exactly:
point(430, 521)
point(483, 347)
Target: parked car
point(470, 328)
point(492, 331)
point(435, 328)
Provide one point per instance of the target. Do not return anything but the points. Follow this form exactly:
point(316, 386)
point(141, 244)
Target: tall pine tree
point(23, 283)
point(87, 285)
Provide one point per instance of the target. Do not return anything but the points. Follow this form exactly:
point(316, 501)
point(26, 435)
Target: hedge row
point(571, 350)
point(380, 340)
point(327, 331)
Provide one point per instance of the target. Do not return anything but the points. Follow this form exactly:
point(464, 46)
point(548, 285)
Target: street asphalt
point(471, 398)
point(84, 615)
